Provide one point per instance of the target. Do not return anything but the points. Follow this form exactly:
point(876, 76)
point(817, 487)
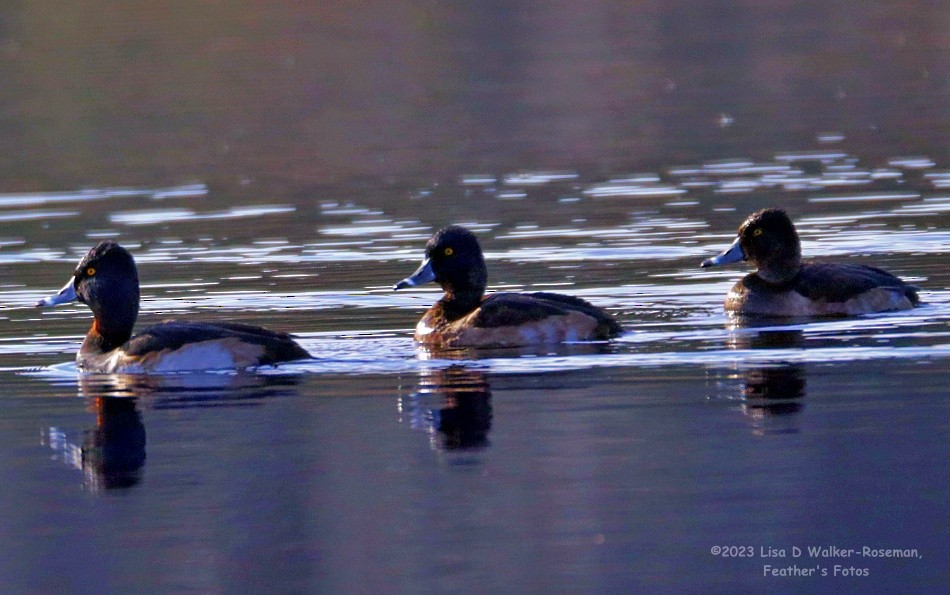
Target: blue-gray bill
point(733, 253)
point(66, 294)
point(424, 274)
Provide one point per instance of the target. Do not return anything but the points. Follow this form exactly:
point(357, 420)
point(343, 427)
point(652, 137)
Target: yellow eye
point(448, 252)
point(90, 272)
point(757, 232)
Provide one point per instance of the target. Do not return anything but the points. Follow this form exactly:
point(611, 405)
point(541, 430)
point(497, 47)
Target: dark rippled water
point(380, 466)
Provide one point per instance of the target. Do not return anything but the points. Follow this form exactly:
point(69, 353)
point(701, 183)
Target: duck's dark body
point(174, 346)
point(515, 320)
point(822, 289)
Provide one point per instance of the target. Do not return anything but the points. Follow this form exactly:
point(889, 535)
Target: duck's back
point(823, 289)
point(510, 309)
point(186, 346)
point(844, 282)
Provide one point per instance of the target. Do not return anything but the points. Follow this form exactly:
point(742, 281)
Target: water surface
point(292, 186)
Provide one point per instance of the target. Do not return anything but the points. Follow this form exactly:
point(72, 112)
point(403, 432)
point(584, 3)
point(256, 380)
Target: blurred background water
point(285, 165)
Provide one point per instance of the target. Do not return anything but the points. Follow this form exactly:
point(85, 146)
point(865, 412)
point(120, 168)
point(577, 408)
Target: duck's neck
point(780, 271)
point(456, 303)
point(104, 337)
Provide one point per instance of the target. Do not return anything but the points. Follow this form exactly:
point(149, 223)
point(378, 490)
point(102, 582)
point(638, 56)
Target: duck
point(785, 286)
point(106, 280)
point(466, 317)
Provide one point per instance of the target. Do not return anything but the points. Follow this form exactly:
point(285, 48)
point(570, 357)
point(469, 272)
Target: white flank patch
point(220, 354)
point(209, 355)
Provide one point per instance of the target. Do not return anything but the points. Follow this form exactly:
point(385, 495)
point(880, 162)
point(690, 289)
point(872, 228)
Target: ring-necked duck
point(784, 286)
point(465, 317)
point(107, 281)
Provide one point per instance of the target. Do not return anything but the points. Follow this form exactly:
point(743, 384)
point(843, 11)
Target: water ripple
point(23, 199)
point(155, 216)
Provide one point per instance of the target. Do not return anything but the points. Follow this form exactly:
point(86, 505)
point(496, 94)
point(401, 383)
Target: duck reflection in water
point(464, 415)
point(772, 390)
point(112, 453)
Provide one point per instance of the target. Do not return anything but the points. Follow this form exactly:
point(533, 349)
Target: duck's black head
point(454, 260)
point(107, 281)
point(767, 238)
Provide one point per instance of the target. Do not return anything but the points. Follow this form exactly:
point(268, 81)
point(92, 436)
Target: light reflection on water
point(23, 199)
point(156, 216)
point(705, 341)
point(658, 250)
point(686, 396)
